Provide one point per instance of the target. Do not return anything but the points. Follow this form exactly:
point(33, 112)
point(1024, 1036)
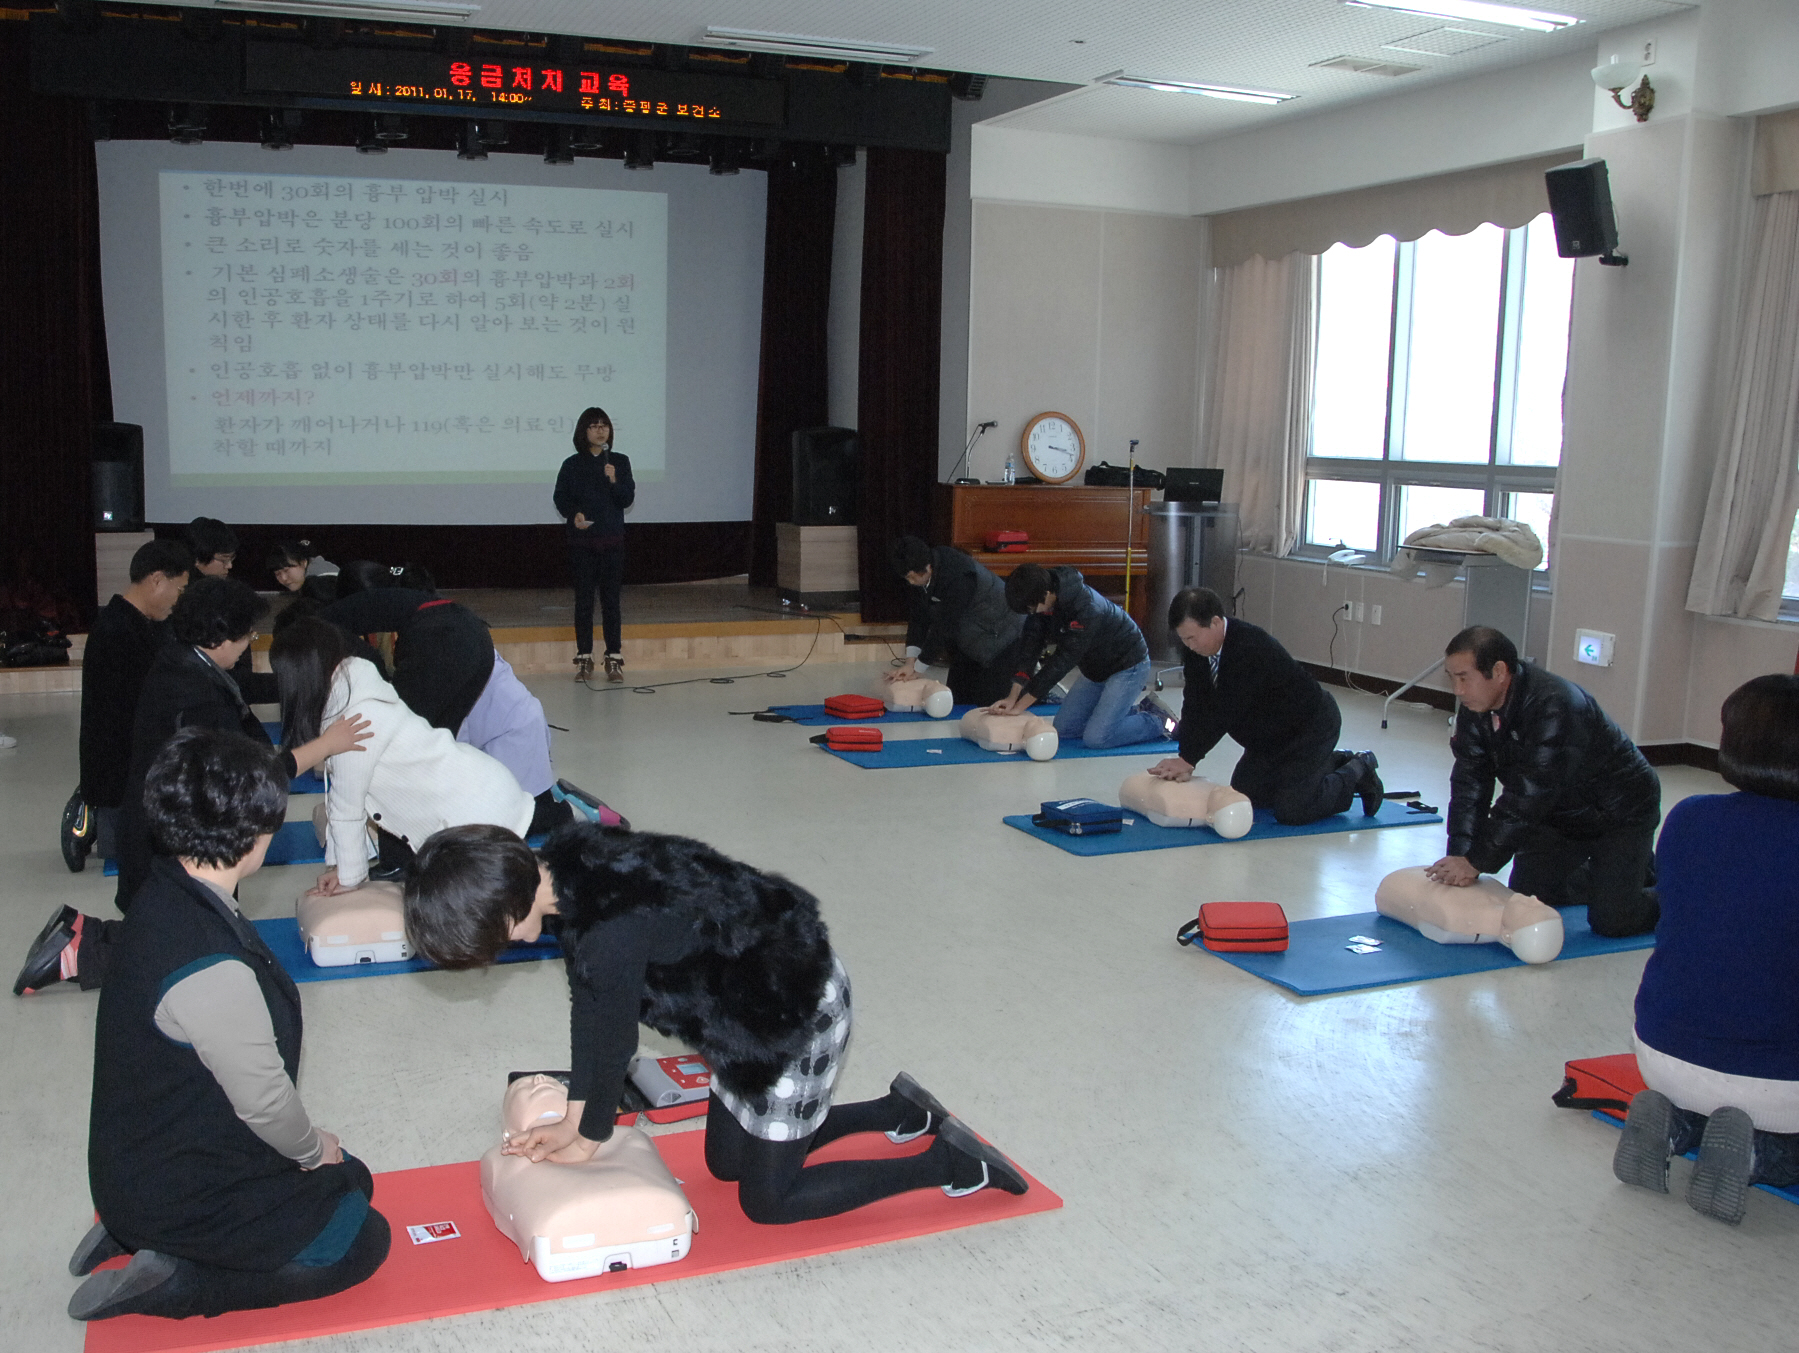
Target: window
point(1437, 385)
point(1790, 606)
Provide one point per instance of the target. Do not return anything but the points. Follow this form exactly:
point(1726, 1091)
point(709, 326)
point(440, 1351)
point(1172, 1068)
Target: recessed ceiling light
point(805, 44)
point(1236, 93)
point(1537, 20)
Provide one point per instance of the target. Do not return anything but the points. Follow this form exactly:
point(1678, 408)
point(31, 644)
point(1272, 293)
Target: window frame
point(1497, 476)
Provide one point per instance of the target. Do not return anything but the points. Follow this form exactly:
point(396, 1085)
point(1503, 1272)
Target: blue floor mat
point(814, 716)
point(962, 752)
point(1142, 834)
point(1316, 963)
point(307, 781)
point(1790, 1194)
point(295, 843)
point(282, 935)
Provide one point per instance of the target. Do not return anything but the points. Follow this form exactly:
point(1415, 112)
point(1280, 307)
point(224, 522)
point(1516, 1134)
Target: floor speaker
point(827, 477)
point(1580, 200)
point(118, 477)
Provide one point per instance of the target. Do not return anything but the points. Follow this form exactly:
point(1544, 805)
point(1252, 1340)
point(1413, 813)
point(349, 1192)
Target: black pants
point(1610, 874)
point(602, 569)
point(1776, 1153)
point(202, 1289)
point(976, 683)
point(548, 813)
point(442, 664)
point(1302, 779)
point(776, 1186)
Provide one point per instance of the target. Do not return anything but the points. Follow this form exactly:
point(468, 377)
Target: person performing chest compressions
point(1241, 682)
point(959, 619)
point(1578, 804)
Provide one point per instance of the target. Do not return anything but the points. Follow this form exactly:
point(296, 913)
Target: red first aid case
point(1607, 1084)
point(1259, 927)
point(855, 707)
point(1007, 542)
point(853, 739)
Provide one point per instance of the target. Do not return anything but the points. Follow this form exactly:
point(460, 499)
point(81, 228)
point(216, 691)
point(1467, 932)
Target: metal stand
point(1494, 593)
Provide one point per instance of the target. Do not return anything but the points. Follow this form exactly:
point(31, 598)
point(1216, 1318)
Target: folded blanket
point(1512, 541)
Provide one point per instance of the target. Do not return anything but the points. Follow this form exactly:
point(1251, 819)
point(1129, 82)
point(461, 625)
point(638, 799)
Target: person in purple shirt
point(1717, 1013)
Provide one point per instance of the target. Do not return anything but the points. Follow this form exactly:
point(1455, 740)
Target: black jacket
point(171, 1166)
point(666, 931)
point(582, 486)
point(961, 613)
point(184, 689)
point(1087, 630)
point(1560, 763)
point(121, 646)
point(1264, 699)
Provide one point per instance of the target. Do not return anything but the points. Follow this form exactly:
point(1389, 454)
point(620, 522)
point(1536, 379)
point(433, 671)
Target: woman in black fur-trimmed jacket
point(733, 962)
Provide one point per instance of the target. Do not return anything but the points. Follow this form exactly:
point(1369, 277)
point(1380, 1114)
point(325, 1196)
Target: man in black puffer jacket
point(1579, 804)
point(959, 619)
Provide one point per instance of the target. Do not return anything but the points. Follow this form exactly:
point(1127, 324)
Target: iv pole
point(1130, 521)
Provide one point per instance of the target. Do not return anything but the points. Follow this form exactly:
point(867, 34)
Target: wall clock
point(1053, 447)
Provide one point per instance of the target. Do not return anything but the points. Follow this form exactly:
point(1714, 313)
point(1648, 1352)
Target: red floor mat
point(481, 1270)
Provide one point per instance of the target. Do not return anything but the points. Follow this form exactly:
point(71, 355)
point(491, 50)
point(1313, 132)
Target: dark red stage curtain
point(53, 378)
point(792, 391)
point(897, 386)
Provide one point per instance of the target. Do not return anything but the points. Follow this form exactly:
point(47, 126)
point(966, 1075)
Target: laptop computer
point(1193, 486)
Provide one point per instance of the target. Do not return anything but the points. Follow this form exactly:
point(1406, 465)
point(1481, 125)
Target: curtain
point(53, 378)
point(793, 390)
point(899, 378)
point(1257, 421)
point(1741, 564)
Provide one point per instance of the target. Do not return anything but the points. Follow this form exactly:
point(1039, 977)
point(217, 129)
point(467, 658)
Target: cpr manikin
point(919, 693)
point(620, 1210)
point(1486, 912)
point(1031, 734)
point(364, 925)
point(1188, 803)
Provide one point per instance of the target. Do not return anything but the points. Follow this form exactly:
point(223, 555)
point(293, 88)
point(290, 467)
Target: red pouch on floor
point(854, 707)
point(1007, 542)
point(853, 739)
point(1253, 927)
point(1607, 1084)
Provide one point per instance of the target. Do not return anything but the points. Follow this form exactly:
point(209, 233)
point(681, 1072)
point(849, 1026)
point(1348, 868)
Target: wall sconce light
point(1615, 76)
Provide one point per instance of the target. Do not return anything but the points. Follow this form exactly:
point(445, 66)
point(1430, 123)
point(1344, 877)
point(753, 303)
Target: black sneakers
point(1370, 790)
point(977, 1164)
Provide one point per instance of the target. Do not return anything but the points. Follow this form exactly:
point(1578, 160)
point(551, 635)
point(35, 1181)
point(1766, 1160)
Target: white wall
point(1054, 169)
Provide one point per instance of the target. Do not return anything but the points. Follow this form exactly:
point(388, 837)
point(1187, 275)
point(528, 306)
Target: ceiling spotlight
point(640, 151)
point(470, 146)
point(840, 157)
point(725, 159)
point(968, 86)
point(586, 136)
point(187, 123)
point(277, 133)
point(806, 44)
point(1236, 93)
point(368, 140)
point(557, 149)
point(1512, 16)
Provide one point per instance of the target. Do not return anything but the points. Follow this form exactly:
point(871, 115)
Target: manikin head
point(474, 890)
point(160, 571)
point(1196, 615)
point(215, 799)
point(933, 697)
point(593, 431)
point(214, 545)
point(1480, 663)
point(911, 559)
point(1028, 591)
point(219, 617)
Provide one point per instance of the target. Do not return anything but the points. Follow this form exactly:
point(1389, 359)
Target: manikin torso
point(1486, 912)
point(1190, 803)
point(365, 925)
point(620, 1210)
point(1028, 733)
point(920, 693)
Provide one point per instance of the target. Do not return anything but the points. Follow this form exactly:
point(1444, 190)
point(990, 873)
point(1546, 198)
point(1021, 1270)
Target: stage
point(722, 622)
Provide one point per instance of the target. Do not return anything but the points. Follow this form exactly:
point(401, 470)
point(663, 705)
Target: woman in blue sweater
point(1717, 1029)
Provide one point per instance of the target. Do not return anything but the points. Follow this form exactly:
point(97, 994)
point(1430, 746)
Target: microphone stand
point(1130, 521)
point(960, 460)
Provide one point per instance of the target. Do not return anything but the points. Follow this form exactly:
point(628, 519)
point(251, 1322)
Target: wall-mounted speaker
point(118, 477)
point(827, 477)
point(1580, 201)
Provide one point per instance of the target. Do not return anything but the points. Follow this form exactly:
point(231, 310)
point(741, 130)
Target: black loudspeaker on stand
point(1580, 200)
point(118, 475)
point(827, 476)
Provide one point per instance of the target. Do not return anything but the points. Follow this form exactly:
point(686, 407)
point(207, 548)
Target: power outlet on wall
point(1647, 56)
point(1374, 614)
point(1358, 613)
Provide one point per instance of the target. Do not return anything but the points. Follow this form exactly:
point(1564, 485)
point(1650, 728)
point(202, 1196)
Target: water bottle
point(1009, 475)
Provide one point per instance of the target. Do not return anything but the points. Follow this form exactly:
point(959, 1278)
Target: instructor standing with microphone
point(593, 490)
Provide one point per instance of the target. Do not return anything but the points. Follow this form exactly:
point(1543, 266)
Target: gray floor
point(1243, 1169)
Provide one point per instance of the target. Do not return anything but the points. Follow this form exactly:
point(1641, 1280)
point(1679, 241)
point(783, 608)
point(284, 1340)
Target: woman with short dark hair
point(203, 1162)
point(1717, 1014)
point(593, 489)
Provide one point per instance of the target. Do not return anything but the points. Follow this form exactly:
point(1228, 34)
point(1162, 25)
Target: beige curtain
point(1256, 423)
point(1741, 565)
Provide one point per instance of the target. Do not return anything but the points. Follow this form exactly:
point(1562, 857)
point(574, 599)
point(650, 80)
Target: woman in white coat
point(409, 780)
